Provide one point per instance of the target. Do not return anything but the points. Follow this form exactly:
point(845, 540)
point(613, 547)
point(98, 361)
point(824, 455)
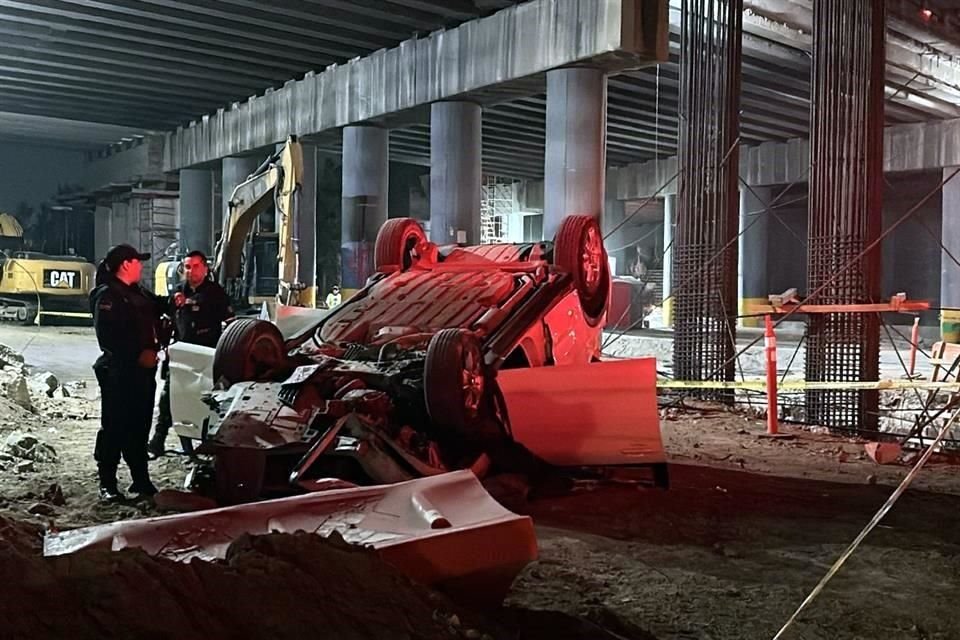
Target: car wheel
point(454, 383)
point(395, 241)
point(249, 350)
point(578, 249)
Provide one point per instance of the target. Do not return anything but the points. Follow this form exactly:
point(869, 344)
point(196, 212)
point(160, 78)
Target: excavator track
point(18, 311)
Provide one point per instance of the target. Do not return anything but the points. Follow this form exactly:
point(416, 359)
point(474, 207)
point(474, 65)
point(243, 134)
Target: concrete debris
point(43, 384)
point(16, 389)
point(883, 452)
point(61, 393)
point(10, 358)
point(41, 509)
point(29, 447)
point(54, 495)
point(26, 466)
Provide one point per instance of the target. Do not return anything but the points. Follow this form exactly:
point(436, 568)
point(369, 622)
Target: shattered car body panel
point(403, 379)
point(445, 531)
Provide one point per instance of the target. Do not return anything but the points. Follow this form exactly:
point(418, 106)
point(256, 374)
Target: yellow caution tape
point(803, 385)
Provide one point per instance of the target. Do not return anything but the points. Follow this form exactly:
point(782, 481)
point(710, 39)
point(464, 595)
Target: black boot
point(143, 488)
point(157, 446)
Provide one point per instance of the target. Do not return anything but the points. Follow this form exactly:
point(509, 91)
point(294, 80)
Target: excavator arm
point(277, 181)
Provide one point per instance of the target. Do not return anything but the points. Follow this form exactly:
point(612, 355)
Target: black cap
point(121, 253)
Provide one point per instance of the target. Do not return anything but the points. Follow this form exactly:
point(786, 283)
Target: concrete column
point(196, 210)
point(307, 226)
point(455, 172)
point(669, 218)
point(576, 145)
point(752, 281)
point(366, 170)
point(614, 212)
point(102, 232)
point(949, 271)
point(234, 171)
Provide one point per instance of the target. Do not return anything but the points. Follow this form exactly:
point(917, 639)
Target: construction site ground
point(747, 528)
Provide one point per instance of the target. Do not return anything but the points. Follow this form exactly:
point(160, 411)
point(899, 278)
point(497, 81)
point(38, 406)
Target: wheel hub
point(591, 259)
point(471, 382)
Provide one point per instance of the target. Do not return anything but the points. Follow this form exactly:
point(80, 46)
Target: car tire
point(578, 249)
point(248, 350)
point(395, 240)
point(454, 383)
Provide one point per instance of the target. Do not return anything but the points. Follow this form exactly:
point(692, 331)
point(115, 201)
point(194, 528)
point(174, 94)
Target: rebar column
point(705, 245)
point(845, 208)
point(366, 170)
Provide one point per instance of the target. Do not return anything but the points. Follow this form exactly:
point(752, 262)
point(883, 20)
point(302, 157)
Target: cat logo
point(62, 279)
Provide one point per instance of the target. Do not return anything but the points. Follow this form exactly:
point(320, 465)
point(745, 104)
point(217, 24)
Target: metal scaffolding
point(157, 226)
point(496, 204)
point(705, 255)
point(845, 207)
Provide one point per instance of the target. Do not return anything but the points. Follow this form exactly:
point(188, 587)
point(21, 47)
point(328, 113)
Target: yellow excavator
point(276, 182)
point(35, 285)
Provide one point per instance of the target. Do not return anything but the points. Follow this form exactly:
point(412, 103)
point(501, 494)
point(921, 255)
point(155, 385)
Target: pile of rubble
point(272, 586)
point(901, 409)
point(36, 392)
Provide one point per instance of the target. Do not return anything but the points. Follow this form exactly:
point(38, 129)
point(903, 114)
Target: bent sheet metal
point(445, 531)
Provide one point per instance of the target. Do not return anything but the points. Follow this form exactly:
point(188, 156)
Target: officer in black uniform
point(200, 308)
point(125, 317)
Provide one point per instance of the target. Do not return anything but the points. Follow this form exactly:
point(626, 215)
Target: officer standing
point(200, 309)
point(125, 317)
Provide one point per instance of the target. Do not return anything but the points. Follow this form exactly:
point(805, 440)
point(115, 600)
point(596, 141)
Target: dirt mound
point(19, 537)
point(275, 586)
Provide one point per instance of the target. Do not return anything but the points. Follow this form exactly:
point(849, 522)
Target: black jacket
point(200, 319)
point(126, 319)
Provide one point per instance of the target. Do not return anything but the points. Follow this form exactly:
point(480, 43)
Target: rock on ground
point(29, 447)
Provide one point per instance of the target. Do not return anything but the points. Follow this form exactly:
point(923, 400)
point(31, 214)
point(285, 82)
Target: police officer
point(200, 309)
point(125, 317)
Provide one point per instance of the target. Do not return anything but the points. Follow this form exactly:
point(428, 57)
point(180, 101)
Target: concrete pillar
point(307, 226)
point(455, 172)
point(102, 232)
point(234, 171)
point(753, 286)
point(669, 218)
point(196, 210)
point(366, 170)
point(949, 271)
point(576, 145)
point(614, 212)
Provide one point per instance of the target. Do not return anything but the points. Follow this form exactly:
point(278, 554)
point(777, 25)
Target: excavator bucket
point(443, 531)
point(599, 414)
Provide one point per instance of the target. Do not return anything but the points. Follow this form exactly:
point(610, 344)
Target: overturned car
point(482, 357)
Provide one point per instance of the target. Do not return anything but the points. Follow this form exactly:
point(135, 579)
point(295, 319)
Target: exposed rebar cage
point(705, 252)
point(845, 207)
